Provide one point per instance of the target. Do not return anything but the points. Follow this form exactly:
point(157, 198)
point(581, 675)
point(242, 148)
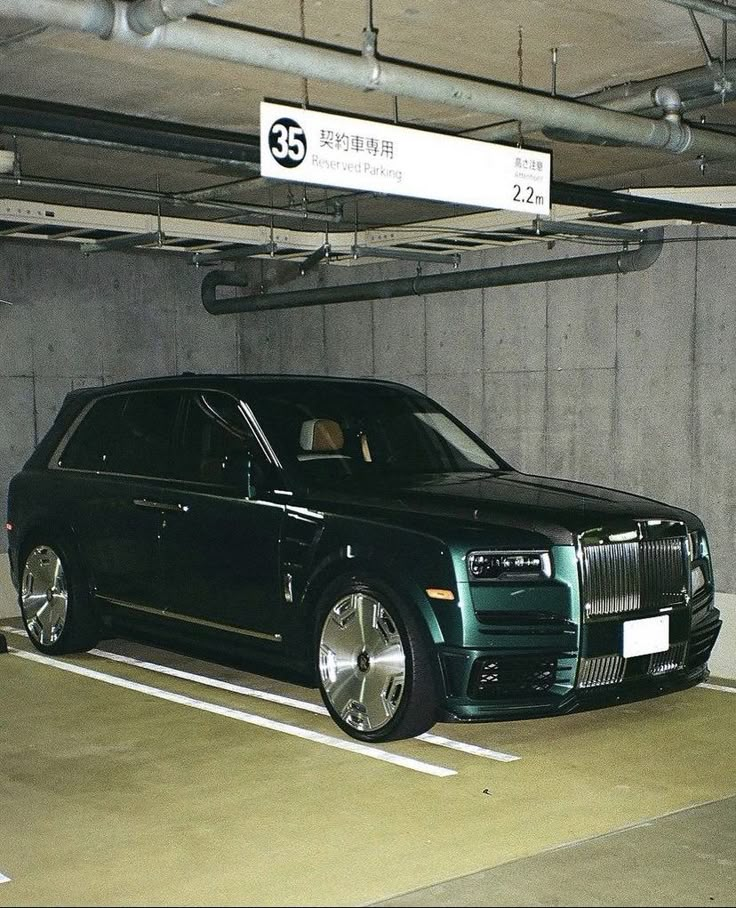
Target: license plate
point(646, 635)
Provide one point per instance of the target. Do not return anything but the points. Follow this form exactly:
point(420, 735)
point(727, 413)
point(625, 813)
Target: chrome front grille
point(646, 571)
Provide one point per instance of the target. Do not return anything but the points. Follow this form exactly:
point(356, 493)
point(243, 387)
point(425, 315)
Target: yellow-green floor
point(109, 796)
point(685, 859)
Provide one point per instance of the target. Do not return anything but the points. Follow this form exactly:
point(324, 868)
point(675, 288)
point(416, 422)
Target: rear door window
point(129, 434)
point(92, 442)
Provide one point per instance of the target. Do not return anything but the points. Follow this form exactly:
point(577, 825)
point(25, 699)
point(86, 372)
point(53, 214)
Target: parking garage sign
point(308, 146)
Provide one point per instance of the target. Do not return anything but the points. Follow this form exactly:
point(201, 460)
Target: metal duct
point(146, 16)
point(96, 17)
point(529, 273)
point(710, 7)
point(696, 86)
point(285, 53)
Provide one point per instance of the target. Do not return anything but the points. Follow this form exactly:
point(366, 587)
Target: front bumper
point(484, 684)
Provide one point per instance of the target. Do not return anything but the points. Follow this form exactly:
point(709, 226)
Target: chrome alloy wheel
point(44, 595)
point(362, 662)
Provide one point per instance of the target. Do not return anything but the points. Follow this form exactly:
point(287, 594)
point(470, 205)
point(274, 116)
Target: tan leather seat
point(321, 436)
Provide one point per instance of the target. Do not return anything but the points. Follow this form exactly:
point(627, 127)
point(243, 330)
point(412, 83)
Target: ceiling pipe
point(366, 72)
point(639, 208)
point(666, 99)
point(421, 285)
point(696, 86)
point(710, 7)
point(96, 17)
point(146, 16)
point(82, 125)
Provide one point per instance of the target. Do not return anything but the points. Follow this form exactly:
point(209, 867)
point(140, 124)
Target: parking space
point(138, 776)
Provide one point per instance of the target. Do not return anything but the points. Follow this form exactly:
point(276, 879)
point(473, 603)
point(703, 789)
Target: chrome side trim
point(160, 505)
point(160, 613)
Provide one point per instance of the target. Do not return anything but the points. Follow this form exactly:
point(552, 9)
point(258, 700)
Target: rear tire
point(374, 663)
point(54, 599)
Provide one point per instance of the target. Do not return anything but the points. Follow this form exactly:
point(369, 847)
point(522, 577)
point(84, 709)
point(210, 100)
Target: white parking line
point(211, 682)
point(721, 687)
point(4, 879)
point(294, 730)
point(474, 750)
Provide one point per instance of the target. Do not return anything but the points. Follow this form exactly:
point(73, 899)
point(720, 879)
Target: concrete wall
point(77, 321)
point(628, 381)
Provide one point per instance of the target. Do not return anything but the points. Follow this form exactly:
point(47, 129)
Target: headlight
point(699, 546)
point(698, 559)
point(509, 566)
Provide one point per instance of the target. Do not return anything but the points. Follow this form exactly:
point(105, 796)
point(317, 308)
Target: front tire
point(54, 600)
point(374, 662)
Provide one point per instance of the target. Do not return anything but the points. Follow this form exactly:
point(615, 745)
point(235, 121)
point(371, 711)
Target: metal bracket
point(314, 258)
point(125, 242)
point(231, 255)
point(544, 227)
point(410, 255)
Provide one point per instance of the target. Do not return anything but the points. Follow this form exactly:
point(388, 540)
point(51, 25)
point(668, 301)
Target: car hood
point(556, 508)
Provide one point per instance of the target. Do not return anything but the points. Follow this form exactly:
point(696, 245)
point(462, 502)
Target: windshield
point(327, 432)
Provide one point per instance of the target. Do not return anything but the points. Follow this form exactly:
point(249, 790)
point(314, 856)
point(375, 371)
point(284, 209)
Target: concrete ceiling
point(599, 45)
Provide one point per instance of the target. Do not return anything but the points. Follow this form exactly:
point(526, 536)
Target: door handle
point(160, 505)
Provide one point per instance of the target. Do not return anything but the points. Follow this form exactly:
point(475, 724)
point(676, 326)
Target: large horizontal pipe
point(145, 16)
point(697, 88)
point(710, 7)
point(83, 125)
point(529, 273)
point(285, 53)
point(639, 208)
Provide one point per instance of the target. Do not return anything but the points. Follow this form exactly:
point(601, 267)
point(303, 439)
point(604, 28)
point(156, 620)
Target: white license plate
point(646, 635)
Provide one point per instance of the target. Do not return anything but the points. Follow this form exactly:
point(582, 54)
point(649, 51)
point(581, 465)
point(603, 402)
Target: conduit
point(709, 7)
point(529, 273)
point(110, 19)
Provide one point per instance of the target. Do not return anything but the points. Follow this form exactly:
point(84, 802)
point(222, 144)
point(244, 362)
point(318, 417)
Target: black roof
point(219, 380)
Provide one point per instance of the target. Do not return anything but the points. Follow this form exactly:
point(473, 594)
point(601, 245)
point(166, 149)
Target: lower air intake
point(601, 670)
point(669, 661)
point(512, 677)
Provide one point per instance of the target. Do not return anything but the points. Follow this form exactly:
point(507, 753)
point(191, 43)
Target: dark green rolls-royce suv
point(355, 532)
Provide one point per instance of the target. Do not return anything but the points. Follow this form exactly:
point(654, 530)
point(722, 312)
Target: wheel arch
point(52, 530)
point(339, 565)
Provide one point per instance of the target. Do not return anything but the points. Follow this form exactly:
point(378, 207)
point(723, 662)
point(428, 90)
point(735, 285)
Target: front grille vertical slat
point(611, 578)
point(668, 661)
point(619, 578)
point(662, 579)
